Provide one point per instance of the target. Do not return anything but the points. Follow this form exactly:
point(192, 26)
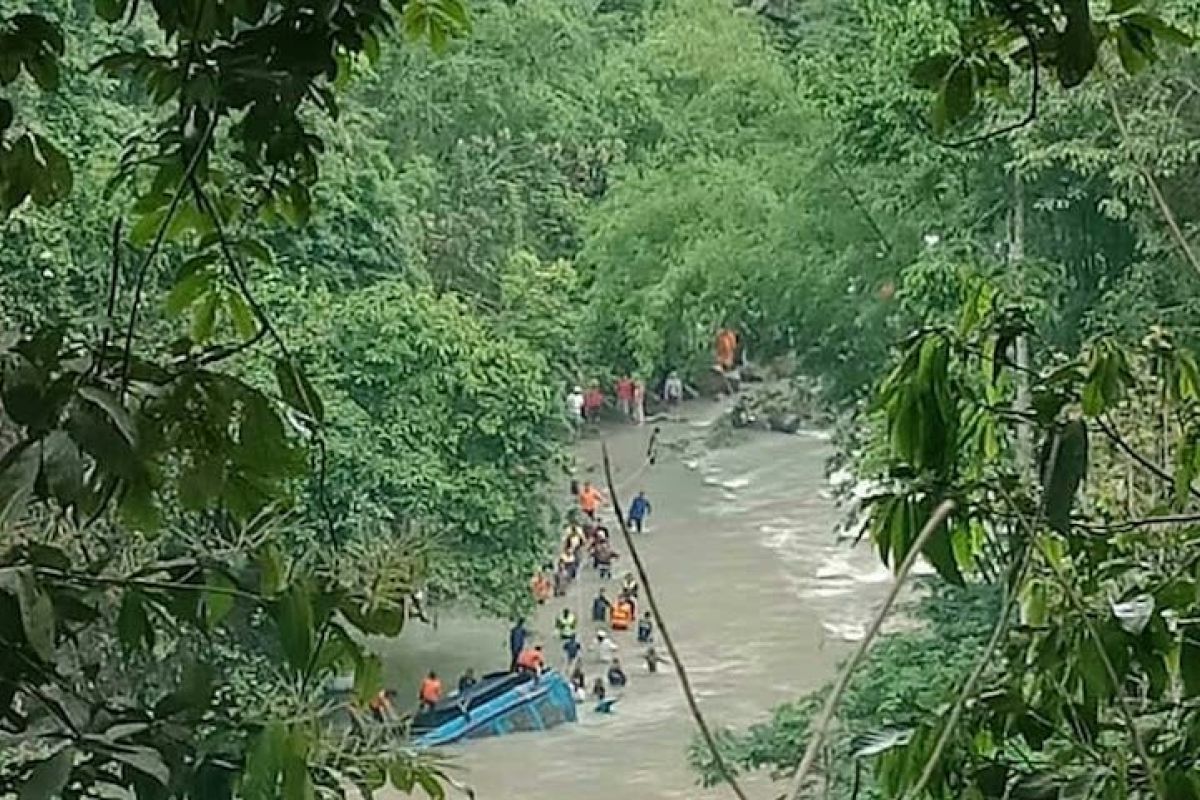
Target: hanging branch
point(1030, 115)
point(266, 327)
point(1160, 199)
point(1001, 627)
point(689, 695)
point(821, 727)
point(848, 187)
point(140, 277)
point(1111, 432)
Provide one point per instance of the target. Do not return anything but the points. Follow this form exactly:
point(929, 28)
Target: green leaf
point(956, 99)
point(133, 624)
point(297, 390)
point(1189, 667)
point(187, 290)
point(256, 250)
point(204, 317)
point(18, 473)
point(43, 68)
point(1161, 29)
point(48, 778)
point(36, 609)
point(294, 618)
point(1070, 463)
point(931, 72)
point(62, 468)
point(110, 10)
point(264, 762)
point(1077, 44)
point(218, 600)
point(940, 552)
point(240, 315)
point(108, 403)
point(429, 782)
point(368, 678)
point(270, 564)
point(146, 228)
point(297, 782)
point(145, 760)
point(194, 694)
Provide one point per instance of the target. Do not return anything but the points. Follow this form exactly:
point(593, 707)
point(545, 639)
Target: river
point(759, 595)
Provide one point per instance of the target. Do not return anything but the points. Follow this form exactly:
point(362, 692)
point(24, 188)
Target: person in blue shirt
point(639, 509)
point(516, 642)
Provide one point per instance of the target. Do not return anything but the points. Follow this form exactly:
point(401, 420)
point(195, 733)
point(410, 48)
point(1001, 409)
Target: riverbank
point(757, 590)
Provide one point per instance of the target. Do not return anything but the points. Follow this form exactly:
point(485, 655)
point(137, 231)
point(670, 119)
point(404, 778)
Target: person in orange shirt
point(431, 691)
point(726, 348)
point(540, 586)
point(531, 660)
point(590, 499)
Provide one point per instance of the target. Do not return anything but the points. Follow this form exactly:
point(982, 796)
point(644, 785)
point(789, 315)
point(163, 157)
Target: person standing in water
point(431, 691)
point(673, 389)
point(600, 607)
point(726, 348)
point(516, 642)
point(565, 625)
point(645, 629)
point(639, 509)
point(625, 396)
point(590, 500)
point(652, 447)
point(574, 410)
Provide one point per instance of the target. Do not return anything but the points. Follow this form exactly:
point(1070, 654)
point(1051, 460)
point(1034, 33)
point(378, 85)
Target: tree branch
point(188, 178)
point(821, 727)
point(1160, 199)
point(688, 694)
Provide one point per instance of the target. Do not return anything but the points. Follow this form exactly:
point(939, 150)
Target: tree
point(113, 442)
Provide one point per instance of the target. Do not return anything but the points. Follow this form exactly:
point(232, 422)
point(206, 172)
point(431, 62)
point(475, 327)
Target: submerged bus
point(500, 703)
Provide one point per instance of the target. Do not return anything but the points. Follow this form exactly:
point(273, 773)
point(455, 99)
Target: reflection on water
point(760, 596)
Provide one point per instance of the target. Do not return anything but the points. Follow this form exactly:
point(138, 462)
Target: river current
point(761, 598)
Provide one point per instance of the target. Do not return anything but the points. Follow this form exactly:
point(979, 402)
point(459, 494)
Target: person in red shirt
point(625, 396)
point(593, 401)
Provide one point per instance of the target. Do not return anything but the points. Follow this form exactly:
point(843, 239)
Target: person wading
point(590, 500)
point(639, 509)
point(516, 643)
point(565, 625)
point(431, 691)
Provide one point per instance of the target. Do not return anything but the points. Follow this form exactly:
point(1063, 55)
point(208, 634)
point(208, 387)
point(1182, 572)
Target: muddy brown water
point(760, 597)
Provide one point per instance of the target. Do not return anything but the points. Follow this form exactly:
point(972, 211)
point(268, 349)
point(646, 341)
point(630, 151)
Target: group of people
point(585, 406)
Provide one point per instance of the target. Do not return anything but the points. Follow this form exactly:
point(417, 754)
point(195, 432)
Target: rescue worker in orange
point(622, 615)
point(431, 691)
point(727, 343)
point(590, 500)
point(540, 586)
point(531, 660)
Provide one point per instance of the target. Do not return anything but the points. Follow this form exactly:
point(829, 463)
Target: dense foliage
point(289, 312)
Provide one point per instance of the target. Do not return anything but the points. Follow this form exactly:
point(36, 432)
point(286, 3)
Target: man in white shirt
point(575, 406)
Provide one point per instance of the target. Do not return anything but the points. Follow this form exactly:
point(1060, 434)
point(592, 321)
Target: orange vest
point(530, 659)
point(726, 348)
point(431, 690)
point(622, 616)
